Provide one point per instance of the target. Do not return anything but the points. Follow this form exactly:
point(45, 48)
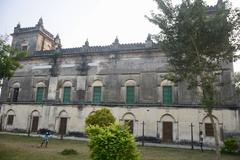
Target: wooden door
point(35, 124)
point(167, 132)
point(63, 126)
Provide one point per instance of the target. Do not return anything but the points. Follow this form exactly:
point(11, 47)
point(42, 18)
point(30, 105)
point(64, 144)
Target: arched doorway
point(35, 121)
point(63, 119)
point(167, 125)
point(130, 120)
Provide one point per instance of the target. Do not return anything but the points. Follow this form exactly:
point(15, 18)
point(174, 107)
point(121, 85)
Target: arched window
point(97, 91)
point(40, 92)
point(167, 92)
point(130, 120)
point(130, 92)
point(16, 89)
point(10, 117)
point(67, 87)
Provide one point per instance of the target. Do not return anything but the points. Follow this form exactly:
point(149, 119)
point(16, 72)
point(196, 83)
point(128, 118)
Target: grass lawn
point(27, 148)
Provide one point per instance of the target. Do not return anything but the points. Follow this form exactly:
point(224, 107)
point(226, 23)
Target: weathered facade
point(58, 88)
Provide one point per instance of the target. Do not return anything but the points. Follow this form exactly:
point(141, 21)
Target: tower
point(35, 38)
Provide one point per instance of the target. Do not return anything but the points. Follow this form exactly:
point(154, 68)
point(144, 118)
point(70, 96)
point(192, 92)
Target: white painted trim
point(68, 65)
point(42, 67)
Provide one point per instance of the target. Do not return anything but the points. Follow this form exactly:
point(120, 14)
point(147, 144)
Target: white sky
point(76, 20)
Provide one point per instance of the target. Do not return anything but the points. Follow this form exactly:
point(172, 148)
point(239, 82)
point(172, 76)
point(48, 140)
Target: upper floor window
point(66, 94)
point(15, 94)
point(15, 91)
point(130, 97)
point(130, 94)
point(167, 95)
point(40, 94)
point(166, 92)
point(40, 91)
point(97, 92)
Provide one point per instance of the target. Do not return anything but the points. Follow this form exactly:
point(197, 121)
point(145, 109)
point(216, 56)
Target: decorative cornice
point(97, 49)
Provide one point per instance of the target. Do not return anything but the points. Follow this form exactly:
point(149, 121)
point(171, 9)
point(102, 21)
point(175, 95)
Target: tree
point(113, 142)
point(198, 41)
point(102, 118)
point(9, 59)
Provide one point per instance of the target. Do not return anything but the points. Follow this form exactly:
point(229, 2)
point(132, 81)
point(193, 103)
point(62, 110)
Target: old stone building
point(57, 88)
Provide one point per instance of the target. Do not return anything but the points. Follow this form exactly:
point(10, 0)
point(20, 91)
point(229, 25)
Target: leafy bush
point(113, 142)
point(69, 152)
point(230, 145)
point(102, 118)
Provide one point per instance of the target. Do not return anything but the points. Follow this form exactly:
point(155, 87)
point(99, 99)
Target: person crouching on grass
point(45, 139)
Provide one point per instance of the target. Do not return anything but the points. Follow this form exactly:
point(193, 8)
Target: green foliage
point(230, 145)
point(197, 41)
point(102, 118)
point(69, 152)
point(9, 58)
point(113, 142)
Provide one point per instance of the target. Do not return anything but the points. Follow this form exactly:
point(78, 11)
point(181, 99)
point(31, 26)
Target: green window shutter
point(97, 94)
point(167, 95)
point(130, 95)
point(39, 95)
point(66, 94)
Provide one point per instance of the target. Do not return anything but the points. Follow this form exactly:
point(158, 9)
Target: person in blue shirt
point(45, 139)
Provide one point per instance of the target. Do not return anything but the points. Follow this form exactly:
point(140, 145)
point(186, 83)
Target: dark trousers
point(44, 141)
point(201, 146)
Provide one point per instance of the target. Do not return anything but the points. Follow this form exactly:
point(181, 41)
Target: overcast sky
point(99, 21)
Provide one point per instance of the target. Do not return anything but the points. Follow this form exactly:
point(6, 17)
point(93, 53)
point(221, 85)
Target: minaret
point(57, 41)
point(40, 22)
point(149, 42)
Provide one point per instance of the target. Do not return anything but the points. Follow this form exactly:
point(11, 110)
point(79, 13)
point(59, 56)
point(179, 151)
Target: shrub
point(102, 118)
point(69, 152)
point(113, 142)
point(230, 145)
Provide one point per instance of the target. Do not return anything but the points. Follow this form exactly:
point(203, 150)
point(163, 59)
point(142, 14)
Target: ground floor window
point(209, 130)
point(130, 125)
point(10, 119)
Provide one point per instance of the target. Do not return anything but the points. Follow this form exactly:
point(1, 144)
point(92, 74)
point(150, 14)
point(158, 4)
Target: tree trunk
point(217, 145)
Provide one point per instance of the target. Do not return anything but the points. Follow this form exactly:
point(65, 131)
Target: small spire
point(40, 22)
point(116, 41)
point(149, 42)
point(57, 40)
point(18, 25)
point(86, 43)
point(219, 2)
point(149, 37)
